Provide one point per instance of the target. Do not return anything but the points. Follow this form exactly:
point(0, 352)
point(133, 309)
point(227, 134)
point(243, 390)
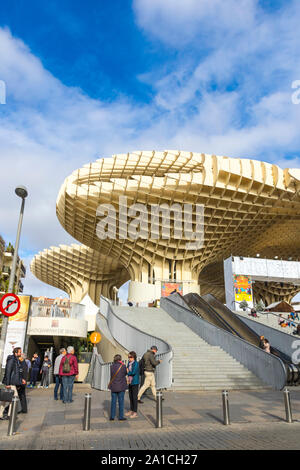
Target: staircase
point(196, 364)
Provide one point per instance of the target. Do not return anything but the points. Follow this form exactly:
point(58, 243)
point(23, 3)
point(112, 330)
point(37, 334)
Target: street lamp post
point(22, 192)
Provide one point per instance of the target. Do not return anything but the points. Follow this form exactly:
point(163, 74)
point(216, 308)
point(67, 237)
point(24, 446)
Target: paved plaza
point(191, 421)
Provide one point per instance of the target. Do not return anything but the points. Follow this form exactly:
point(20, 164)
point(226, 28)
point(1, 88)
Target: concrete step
point(196, 364)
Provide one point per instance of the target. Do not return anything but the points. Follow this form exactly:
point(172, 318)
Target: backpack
point(66, 366)
point(142, 366)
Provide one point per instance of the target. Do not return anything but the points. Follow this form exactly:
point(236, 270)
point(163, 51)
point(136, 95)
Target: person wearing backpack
point(68, 370)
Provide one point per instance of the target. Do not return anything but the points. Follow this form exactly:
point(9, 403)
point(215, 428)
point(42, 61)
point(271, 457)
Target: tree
point(260, 306)
point(243, 305)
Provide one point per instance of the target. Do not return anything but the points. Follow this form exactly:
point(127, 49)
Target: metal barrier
point(287, 404)
point(282, 341)
point(132, 339)
point(12, 416)
point(226, 418)
point(87, 412)
point(270, 369)
point(159, 413)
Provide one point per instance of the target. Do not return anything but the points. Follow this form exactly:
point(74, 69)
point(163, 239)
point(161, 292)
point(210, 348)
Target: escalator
point(213, 311)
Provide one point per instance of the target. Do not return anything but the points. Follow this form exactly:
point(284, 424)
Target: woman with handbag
point(133, 379)
point(117, 386)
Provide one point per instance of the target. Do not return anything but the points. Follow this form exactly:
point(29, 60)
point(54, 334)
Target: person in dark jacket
point(133, 378)
point(45, 371)
point(12, 376)
point(35, 368)
point(21, 389)
point(150, 365)
point(117, 386)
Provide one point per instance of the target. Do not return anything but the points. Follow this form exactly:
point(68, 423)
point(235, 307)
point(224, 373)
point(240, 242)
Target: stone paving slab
point(191, 420)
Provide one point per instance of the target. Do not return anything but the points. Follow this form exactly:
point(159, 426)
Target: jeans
point(114, 397)
point(68, 382)
point(58, 382)
point(33, 376)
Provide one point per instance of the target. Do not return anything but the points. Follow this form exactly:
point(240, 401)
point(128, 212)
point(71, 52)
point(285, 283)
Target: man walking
point(68, 370)
point(58, 378)
point(12, 377)
point(150, 365)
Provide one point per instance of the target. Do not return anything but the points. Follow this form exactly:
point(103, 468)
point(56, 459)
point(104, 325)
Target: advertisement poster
point(242, 288)
point(168, 288)
point(16, 329)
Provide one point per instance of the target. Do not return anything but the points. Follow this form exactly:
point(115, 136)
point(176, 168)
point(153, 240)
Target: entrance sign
point(10, 305)
point(95, 337)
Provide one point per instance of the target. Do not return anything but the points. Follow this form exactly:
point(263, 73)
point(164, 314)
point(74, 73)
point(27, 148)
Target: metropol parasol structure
point(249, 208)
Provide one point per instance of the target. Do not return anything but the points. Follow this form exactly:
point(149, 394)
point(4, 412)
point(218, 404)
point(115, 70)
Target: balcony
point(6, 271)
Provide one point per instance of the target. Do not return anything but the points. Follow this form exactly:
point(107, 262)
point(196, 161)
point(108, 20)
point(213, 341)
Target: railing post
point(159, 415)
point(226, 418)
point(87, 412)
point(12, 416)
point(287, 403)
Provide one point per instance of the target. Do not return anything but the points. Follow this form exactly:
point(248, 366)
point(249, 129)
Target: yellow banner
point(22, 314)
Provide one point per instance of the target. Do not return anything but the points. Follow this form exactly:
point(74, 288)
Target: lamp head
point(21, 191)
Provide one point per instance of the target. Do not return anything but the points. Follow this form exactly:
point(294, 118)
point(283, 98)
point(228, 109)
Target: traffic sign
point(95, 337)
point(10, 304)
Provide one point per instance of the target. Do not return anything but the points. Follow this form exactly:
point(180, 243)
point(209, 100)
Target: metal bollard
point(13, 416)
point(87, 412)
point(287, 403)
point(159, 415)
point(226, 418)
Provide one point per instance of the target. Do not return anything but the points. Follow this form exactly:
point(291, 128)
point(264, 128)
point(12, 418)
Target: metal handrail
point(131, 338)
point(270, 369)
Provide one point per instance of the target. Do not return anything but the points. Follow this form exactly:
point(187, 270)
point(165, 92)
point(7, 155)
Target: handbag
point(111, 381)
point(6, 394)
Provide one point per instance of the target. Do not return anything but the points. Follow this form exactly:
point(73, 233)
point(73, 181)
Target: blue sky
point(89, 79)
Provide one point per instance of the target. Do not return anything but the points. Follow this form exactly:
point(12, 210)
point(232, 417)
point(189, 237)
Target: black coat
point(13, 371)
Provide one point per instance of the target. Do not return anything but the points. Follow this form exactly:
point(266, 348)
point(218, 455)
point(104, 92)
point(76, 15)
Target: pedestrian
point(45, 371)
point(150, 365)
point(267, 346)
point(133, 378)
point(58, 378)
point(68, 370)
point(117, 386)
point(21, 389)
point(297, 330)
point(261, 342)
point(35, 367)
point(12, 378)
point(28, 363)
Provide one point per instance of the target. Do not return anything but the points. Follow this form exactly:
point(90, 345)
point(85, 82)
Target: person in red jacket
point(68, 370)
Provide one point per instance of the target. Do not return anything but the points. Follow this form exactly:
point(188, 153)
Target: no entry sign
point(10, 305)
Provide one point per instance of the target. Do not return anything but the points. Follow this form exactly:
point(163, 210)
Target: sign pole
point(11, 282)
